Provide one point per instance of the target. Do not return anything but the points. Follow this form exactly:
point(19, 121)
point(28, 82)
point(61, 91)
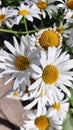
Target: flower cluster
point(37, 60)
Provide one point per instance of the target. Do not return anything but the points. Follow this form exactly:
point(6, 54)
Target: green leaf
point(68, 123)
point(71, 98)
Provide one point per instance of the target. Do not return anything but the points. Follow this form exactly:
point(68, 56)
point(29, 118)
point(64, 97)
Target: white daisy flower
point(15, 94)
point(59, 110)
point(28, 12)
point(45, 6)
point(53, 73)
point(6, 15)
point(41, 121)
point(18, 64)
point(62, 29)
point(47, 38)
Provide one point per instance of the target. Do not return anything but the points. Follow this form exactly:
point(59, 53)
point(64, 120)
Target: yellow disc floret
point(42, 5)
point(49, 38)
point(70, 4)
point(22, 63)
point(57, 106)
point(15, 94)
point(23, 12)
point(50, 74)
point(60, 29)
point(2, 17)
point(42, 122)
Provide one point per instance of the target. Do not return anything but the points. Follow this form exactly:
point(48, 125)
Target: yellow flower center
point(49, 38)
point(2, 17)
point(42, 5)
point(57, 106)
point(50, 74)
point(22, 63)
point(15, 94)
point(70, 4)
point(60, 29)
point(23, 12)
point(42, 122)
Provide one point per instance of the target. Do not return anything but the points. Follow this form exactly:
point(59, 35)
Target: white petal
point(51, 54)
point(17, 19)
point(15, 86)
point(36, 76)
point(16, 44)
point(30, 115)
point(65, 89)
point(10, 47)
point(52, 112)
point(8, 72)
point(2, 66)
point(43, 59)
point(65, 65)
point(35, 84)
point(36, 68)
point(65, 81)
point(63, 57)
point(22, 45)
point(29, 17)
point(39, 109)
point(2, 58)
point(11, 78)
point(34, 53)
point(21, 128)
point(33, 103)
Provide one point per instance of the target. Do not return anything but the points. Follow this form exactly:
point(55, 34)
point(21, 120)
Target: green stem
point(8, 31)
point(17, 32)
point(31, 31)
point(26, 28)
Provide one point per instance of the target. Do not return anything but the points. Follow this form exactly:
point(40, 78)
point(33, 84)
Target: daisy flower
point(18, 62)
point(15, 94)
point(59, 110)
point(53, 72)
point(41, 121)
point(47, 38)
point(6, 15)
point(45, 6)
point(28, 12)
point(62, 29)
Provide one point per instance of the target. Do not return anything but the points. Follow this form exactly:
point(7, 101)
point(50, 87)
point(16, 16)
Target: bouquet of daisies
point(38, 57)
